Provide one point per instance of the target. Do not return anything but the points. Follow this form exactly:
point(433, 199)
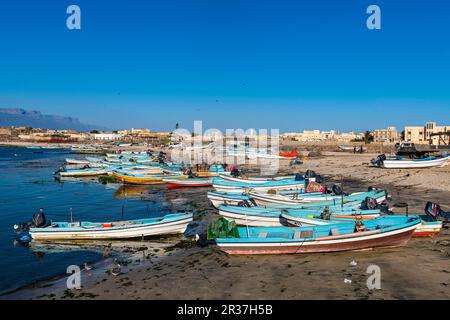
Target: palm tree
point(368, 137)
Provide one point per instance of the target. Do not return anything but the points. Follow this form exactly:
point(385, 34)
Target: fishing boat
point(428, 229)
point(212, 171)
point(263, 216)
point(134, 178)
point(169, 224)
point(401, 163)
point(138, 170)
point(77, 161)
point(292, 198)
point(87, 172)
point(176, 182)
point(298, 218)
point(289, 155)
point(237, 187)
point(219, 198)
point(242, 179)
point(386, 231)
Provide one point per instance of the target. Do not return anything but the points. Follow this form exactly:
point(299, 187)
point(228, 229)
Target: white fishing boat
point(237, 187)
point(401, 163)
point(241, 179)
point(293, 198)
point(88, 172)
point(77, 161)
point(169, 224)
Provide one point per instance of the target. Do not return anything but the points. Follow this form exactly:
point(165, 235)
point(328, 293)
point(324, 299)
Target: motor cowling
point(337, 190)
point(38, 220)
point(435, 212)
point(310, 174)
point(378, 161)
point(369, 203)
point(235, 173)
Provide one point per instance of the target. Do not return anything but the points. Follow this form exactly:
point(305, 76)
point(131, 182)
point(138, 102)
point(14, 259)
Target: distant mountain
point(23, 118)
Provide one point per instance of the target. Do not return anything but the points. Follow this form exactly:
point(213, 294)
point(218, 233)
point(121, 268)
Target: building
point(386, 135)
point(108, 136)
point(428, 134)
point(317, 135)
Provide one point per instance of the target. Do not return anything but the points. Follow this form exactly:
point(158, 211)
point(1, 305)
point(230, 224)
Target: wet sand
point(419, 270)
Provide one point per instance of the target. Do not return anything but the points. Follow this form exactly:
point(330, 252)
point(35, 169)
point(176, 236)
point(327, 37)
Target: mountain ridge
point(19, 117)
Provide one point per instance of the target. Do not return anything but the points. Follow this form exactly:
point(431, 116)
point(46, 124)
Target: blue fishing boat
point(264, 216)
point(237, 187)
point(295, 198)
point(386, 231)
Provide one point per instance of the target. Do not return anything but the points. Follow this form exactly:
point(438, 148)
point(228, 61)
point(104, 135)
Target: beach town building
point(317, 135)
point(430, 133)
point(386, 135)
point(108, 136)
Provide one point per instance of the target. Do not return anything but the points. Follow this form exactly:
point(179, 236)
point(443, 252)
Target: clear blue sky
point(291, 65)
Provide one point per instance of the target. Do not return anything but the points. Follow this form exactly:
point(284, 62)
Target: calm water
point(27, 184)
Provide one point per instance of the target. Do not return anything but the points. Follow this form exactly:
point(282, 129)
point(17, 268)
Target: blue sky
point(291, 65)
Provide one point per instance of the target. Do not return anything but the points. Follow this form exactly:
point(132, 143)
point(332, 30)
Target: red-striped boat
point(291, 154)
point(175, 183)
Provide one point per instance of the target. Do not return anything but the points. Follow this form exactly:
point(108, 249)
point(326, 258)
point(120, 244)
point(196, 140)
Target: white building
point(108, 136)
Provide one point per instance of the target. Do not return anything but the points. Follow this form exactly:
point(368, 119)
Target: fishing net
point(222, 228)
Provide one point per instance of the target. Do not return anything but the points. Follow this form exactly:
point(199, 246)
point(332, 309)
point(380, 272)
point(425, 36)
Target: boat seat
point(334, 232)
point(262, 235)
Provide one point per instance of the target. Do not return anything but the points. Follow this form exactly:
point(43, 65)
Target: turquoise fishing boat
point(386, 231)
point(299, 198)
point(264, 216)
point(237, 187)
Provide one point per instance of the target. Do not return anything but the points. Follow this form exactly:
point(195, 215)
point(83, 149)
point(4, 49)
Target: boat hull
point(128, 179)
point(82, 173)
point(187, 183)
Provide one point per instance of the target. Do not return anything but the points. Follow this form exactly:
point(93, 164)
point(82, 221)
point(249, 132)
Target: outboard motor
point(38, 220)
point(247, 203)
point(369, 204)
point(337, 190)
point(378, 161)
point(235, 172)
point(384, 208)
point(435, 212)
point(319, 179)
point(310, 174)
